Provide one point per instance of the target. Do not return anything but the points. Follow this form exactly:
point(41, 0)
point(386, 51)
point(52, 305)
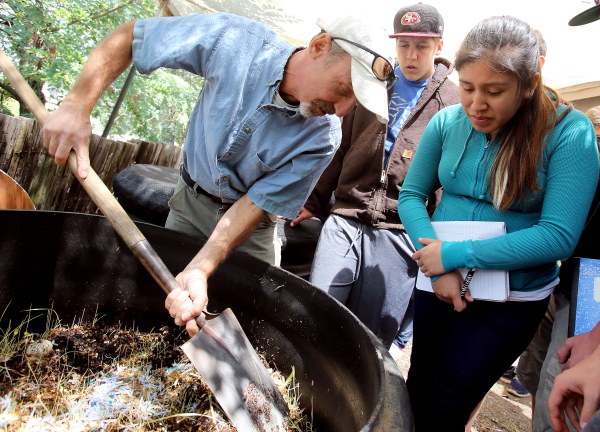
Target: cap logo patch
point(410, 18)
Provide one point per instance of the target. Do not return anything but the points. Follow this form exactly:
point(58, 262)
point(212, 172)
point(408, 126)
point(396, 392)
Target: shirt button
point(223, 177)
point(247, 129)
point(481, 196)
point(227, 154)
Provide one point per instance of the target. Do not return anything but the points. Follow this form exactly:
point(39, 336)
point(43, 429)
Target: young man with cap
point(260, 135)
point(363, 257)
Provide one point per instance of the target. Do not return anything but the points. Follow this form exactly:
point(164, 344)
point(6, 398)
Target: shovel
point(220, 351)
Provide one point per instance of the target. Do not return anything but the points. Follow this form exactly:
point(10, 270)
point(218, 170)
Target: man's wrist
point(74, 102)
point(201, 265)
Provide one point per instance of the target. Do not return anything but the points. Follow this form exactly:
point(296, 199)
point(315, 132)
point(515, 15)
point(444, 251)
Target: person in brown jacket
point(363, 257)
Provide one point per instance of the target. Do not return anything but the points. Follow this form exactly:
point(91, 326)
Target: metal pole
point(117, 106)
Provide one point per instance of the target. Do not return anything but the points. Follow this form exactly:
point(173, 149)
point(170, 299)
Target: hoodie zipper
point(477, 180)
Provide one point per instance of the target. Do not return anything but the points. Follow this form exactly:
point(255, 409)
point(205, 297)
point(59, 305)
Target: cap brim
point(586, 17)
point(396, 35)
point(370, 92)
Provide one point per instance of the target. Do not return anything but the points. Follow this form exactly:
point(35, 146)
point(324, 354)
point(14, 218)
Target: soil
point(105, 378)
point(85, 354)
point(501, 411)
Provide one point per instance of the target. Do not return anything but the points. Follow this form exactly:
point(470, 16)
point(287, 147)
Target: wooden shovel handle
point(97, 190)
point(128, 231)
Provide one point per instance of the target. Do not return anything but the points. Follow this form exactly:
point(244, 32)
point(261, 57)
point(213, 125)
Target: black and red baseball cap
point(419, 20)
point(588, 16)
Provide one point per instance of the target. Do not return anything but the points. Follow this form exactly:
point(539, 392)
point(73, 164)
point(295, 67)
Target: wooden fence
point(52, 187)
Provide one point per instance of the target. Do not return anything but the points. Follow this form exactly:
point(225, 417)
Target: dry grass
point(96, 378)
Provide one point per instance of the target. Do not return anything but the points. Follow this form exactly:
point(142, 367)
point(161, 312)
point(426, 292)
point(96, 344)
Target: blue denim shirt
point(238, 142)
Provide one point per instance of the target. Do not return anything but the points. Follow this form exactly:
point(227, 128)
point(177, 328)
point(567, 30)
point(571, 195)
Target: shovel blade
point(223, 355)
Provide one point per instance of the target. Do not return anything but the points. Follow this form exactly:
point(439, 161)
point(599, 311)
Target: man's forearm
point(234, 228)
point(106, 62)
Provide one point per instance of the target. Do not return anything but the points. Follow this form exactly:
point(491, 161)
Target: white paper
point(490, 285)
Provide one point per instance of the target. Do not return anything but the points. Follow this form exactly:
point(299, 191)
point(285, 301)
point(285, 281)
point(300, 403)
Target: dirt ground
point(501, 411)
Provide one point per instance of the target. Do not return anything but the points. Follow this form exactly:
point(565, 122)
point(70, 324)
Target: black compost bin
point(77, 265)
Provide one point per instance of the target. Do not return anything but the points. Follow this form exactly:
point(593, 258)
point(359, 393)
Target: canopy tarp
point(571, 59)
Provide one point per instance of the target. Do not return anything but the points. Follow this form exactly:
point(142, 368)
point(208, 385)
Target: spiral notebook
point(491, 285)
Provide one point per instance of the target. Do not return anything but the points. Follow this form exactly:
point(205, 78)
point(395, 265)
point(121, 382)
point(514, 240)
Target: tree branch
point(108, 12)
point(10, 91)
point(91, 18)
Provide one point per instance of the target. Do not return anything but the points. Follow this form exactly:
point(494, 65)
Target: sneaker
point(508, 376)
point(396, 352)
point(517, 389)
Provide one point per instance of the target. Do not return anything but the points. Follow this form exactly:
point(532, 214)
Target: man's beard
point(311, 109)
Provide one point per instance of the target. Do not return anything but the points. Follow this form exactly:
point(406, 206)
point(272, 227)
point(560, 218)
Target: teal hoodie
point(540, 231)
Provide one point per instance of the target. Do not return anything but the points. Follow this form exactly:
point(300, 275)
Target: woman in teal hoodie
point(512, 151)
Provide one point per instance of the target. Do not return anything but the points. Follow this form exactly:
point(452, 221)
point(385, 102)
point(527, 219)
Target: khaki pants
point(198, 215)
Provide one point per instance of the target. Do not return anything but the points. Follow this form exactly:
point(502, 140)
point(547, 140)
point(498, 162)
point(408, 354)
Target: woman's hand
point(447, 289)
point(429, 258)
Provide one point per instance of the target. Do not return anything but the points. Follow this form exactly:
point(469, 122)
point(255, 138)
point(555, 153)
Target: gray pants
point(532, 359)
point(551, 368)
point(594, 424)
point(198, 215)
point(369, 270)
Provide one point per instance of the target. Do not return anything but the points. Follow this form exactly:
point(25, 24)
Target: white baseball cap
point(589, 15)
point(372, 54)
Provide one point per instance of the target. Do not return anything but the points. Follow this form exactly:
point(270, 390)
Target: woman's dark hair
point(509, 45)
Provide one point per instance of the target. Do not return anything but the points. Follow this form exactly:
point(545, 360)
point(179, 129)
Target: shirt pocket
point(253, 168)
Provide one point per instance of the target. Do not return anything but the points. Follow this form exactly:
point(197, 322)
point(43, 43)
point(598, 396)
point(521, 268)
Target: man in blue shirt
point(260, 135)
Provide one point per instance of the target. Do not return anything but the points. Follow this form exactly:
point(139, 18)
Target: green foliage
point(49, 41)
point(164, 100)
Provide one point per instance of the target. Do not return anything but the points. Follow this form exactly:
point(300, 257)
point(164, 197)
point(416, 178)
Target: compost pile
point(97, 378)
